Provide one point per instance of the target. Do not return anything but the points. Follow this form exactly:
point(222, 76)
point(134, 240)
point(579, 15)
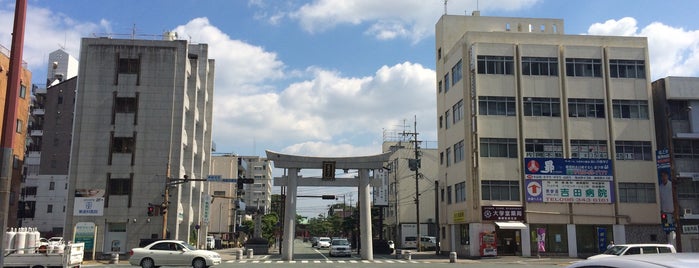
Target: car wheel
point(199, 263)
point(147, 263)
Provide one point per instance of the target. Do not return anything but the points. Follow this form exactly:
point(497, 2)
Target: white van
point(632, 249)
point(210, 242)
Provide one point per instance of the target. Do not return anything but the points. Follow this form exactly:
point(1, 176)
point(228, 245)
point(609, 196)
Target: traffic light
point(663, 218)
point(151, 210)
point(163, 208)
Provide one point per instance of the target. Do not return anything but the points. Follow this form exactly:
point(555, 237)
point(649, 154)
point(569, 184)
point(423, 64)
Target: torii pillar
point(295, 163)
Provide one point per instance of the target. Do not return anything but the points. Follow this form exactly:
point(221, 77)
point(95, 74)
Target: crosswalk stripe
point(255, 261)
point(316, 261)
point(268, 261)
point(353, 261)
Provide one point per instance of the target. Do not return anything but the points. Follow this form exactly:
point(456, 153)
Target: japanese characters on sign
point(491, 213)
point(559, 180)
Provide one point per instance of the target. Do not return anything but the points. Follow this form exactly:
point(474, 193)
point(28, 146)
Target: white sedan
point(172, 253)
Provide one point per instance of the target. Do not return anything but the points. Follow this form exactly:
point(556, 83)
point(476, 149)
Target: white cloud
point(673, 51)
point(45, 32)
point(388, 19)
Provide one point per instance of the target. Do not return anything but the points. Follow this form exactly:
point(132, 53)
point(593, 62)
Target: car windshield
point(340, 242)
point(615, 250)
point(325, 239)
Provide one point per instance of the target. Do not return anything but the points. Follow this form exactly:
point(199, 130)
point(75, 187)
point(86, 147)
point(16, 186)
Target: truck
point(71, 257)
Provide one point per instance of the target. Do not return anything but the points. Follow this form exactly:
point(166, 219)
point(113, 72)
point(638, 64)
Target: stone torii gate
point(295, 163)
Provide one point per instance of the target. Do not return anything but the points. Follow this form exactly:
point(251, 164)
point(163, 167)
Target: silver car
point(667, 260)
point(172, 253)
point(340, 247)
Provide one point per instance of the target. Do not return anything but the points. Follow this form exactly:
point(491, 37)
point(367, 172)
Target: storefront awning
point(510, 225)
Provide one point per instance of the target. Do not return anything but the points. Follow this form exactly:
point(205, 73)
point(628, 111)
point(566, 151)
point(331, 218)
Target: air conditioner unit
point(687, 211)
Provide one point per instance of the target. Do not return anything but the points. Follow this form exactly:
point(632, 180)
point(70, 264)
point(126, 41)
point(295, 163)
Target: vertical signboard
point(86, 232)
point(380, 193)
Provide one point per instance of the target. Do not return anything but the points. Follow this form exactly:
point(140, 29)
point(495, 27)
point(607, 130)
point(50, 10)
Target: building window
point(439, 86)
point(125, 105)
point(589, 149)
point(630, 109)
point(456, 73)
point(458, 111)
point(633, 150)
point(446, 83)
point(540, 66)
point(129, 66)
point(446, 119)
point(689, 190)
point(460, 192)
point(441, 158)
point(123, 145)
point(440, 121)
point(627, 69)
point(49, 208)
point(220, 193)
point(496, 64)
point(52, 186)
point(26, 209)
point(542, 107)
point(119, 186)
point(20, 125)
point(29, 191)
point(548, 148)
point(636, 192)
point(500, 190)
point(448, 194)
point(491, 105)
point(593, 108)
point(678, 110)
point(459, 151)
point(498, 147)
point(22, 91)
point(583, 67)
point(442, 194)
point(448, 153)
point(687, 149)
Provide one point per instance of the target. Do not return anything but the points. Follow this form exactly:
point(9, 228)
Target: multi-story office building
point(545, 138)
point(400, 217)
point(19, 140)
point(45, 188)
point(142, 128)
point(676, 102)
point(224, 214)
point(258, 195)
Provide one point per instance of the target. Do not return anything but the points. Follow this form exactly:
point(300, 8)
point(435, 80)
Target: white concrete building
point(400, 217)
point(258, 196)
point(543, 135)
point(142, 118)
point(45, 186)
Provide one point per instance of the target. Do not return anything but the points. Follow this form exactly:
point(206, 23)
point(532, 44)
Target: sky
point(328, 77)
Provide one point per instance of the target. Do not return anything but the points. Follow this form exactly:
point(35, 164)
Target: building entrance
point(294, 163)
point(509, 242)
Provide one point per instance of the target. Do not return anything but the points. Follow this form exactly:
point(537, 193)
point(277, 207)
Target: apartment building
point(45, 188)
point(19, 141)
point(224, 210)
point(258, 195)
point(676, 102)
point(142, 129)
point(545, 138)
point(400, 217)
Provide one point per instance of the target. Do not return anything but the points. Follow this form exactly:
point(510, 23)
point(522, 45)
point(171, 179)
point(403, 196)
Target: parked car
point(56, 240)
point(428, 243)
point(633, 249)
point(668, 260)
point(324, 242)
point(340, 247)
point(410, 242)
point(172, 253)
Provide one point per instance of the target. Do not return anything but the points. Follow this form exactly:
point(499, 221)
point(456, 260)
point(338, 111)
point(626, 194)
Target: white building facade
point(142, 121)
point(258, 195)
point(546, 139)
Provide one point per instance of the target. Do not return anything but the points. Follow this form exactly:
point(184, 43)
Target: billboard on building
point(568, 180)
point(88, 202)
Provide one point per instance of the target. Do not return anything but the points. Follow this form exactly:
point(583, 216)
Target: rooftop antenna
point(445, 6)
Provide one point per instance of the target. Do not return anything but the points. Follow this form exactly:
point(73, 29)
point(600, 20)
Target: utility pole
point(414, 164)
point(8, 125)
point(171, 183)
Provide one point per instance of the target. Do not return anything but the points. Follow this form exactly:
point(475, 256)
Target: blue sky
point(326, 77)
